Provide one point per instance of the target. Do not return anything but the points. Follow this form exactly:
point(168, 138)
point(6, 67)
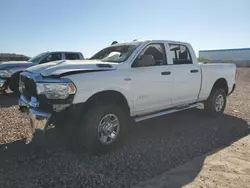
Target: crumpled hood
point(16, 64)
point(62, 67)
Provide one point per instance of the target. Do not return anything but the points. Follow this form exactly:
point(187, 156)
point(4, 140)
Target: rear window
point(72, 56)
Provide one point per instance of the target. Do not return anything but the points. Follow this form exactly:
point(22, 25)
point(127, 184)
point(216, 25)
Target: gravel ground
point(229, 167)
point(153, 146)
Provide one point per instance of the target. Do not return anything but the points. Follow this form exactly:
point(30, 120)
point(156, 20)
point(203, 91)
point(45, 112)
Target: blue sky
point(33, 26)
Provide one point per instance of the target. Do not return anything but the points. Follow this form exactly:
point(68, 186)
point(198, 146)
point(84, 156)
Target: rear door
point(152, 84)
point(186, 75)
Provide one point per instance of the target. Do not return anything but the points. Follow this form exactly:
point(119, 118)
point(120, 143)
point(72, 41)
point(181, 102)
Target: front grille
point(29, 86)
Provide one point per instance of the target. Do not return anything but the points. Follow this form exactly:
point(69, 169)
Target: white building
point(236, 55)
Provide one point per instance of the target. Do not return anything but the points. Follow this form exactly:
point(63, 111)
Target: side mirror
point(144, 61)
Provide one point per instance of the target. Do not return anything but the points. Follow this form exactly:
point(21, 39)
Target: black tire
point(62, 122)
point(39, 138)
point(14, 83)
point(3, 92)
point(89, 135)
point(210, 104)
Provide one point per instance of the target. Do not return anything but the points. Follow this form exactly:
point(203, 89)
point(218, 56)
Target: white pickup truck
point(139, 79)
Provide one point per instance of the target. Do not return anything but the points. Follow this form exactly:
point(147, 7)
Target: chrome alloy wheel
point(219, 103)
point(108, 129)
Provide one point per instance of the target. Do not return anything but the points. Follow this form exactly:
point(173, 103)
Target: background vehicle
point(141, 80)
point(10, 71)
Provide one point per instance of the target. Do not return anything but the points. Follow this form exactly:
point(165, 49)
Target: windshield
point(116, 54)
point(37, 58)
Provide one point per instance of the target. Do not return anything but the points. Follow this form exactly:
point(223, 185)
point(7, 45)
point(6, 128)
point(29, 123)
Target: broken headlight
point(56, 90)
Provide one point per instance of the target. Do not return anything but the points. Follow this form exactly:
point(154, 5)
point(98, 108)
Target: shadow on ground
point(8, 99)
point(153, 147)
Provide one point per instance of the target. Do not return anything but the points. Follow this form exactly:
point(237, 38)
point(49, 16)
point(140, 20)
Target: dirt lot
point(153, 147)
point(229, 167)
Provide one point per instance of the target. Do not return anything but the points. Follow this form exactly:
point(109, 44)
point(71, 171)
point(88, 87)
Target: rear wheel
point(216, 103)
point(103, 128)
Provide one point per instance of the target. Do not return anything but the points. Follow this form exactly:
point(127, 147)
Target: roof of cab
point(62, 52)
point(146, 41)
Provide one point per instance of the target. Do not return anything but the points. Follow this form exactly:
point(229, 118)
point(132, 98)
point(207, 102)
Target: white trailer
point(240, 54)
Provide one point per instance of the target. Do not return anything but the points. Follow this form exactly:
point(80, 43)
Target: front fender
point(83, 95)
point(88, 84)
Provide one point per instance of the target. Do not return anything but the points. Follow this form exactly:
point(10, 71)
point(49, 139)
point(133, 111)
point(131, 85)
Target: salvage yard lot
point(153, 146)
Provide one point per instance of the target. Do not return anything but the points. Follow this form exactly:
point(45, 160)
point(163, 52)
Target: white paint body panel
point(212, 72)
point(186, 84)
point(151, 91)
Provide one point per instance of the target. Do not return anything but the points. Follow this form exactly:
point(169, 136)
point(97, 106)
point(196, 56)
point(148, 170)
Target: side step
point(149, 116)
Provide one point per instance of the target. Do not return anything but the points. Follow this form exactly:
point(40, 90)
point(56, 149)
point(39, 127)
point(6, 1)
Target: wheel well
point(14, 81)
point(110, 96)
point(221, 84)
point(16, 74)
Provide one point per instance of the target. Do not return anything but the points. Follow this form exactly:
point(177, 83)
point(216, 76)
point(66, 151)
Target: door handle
point(194, 71)
point(166, 73)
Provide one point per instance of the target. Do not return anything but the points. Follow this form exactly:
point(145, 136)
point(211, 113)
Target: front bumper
point(3, 84)
point(42, 119)
point(38, 119)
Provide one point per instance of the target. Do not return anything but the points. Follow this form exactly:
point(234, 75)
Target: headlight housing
point(56, 90)
point(5, 74)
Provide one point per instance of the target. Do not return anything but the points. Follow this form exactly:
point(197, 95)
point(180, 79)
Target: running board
point(141, 118)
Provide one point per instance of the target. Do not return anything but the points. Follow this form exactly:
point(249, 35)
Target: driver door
point(151, 84)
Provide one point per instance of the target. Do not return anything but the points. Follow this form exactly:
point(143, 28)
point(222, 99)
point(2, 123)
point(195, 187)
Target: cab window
point(72, 56)
point(180, 54)
point(52, 57)
point(154, 51)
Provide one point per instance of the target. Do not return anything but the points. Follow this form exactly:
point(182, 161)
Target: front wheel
point(216, 102)
point(103, 128)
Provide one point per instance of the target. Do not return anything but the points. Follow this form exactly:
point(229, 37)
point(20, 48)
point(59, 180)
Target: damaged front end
point(44, 98)
point(39, 119)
